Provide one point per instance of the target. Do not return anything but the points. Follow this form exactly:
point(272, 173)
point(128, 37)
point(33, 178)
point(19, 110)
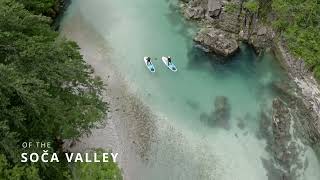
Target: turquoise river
point(186, 147)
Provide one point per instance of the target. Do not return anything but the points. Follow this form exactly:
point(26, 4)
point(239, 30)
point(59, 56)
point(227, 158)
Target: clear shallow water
point(184, 147)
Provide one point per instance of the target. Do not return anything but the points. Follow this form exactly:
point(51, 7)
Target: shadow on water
point(242, 63)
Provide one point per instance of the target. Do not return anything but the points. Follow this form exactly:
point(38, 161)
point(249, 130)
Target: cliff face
point(232, 20)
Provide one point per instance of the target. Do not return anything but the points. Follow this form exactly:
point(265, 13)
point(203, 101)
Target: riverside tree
point(299, 21)
point(45, 7)
point(47, 91)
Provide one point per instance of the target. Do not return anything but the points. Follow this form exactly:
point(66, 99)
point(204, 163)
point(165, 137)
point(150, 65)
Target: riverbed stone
point(220, 116)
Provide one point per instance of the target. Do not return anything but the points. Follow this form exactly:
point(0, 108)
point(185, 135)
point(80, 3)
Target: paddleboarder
point(169, 60)
point(148, 60)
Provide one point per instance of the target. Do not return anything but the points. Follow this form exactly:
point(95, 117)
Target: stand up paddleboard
point(150, 66)
point(171, 66)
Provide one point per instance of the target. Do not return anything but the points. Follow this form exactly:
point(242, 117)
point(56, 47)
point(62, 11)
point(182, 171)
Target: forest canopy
point(299, 21)
point(47, 91)
point(45, 7)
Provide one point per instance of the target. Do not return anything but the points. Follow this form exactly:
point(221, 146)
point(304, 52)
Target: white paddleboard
point(171, 66)
point(150, 66)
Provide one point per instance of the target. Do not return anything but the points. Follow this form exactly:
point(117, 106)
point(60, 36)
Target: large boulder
point(217, 41)
point(200, 9)
point(214, 8)
point(194, 12)
point(261, 38)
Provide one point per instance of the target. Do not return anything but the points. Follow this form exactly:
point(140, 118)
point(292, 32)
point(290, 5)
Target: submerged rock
point(220, 116)
point(192, 104)
point(281, 141)
point(204, 117)
point(281, 122)
point(217, 41)
point(241, 124)
point(265, 128)
point(222, 109)
point(284, 90)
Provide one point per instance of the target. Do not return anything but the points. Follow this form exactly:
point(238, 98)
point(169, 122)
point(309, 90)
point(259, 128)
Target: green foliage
point(98, 171)
point(47, 91)
point(264, 9)
point(299, 21)
point(39, 6)
point(231, 7)
point(251, 5)
point(8, 172)
point(317, 72)
point(45, 81)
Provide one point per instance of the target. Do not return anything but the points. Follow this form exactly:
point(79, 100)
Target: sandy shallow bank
point(129, 125)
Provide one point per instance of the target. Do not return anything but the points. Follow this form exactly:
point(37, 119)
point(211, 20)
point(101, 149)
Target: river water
point(184, 147)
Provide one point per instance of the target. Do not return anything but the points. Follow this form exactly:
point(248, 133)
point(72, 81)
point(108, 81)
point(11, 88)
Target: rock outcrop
point(284, 146)
point(307, 89)
point(217, 41)
point(238, 22)
point(285, 136)
point(195, 13)
point(229, 22)
point(214, 8)
point(258, 36)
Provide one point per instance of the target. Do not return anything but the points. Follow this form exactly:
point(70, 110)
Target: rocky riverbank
point(223, 24)
point(289, 133)
point(294, 120)
point(307, 89)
